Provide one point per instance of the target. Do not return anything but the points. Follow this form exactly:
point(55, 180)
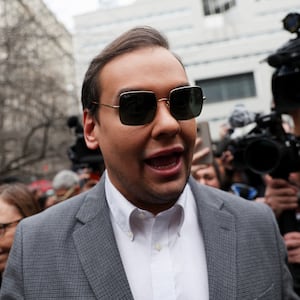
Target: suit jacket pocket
point(267, 294)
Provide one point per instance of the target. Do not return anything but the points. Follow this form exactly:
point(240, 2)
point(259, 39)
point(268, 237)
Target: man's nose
point(164, 122)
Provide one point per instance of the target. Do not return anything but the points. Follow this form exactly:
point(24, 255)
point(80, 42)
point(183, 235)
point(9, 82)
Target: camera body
point(286, 60)
point(267, 148)
point(286, 88)
point(79, 154)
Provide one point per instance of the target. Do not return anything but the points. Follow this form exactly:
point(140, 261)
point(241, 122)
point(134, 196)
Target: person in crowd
point(42, 190)
point(216, 174)
point(147, 213)
point(66, 183)
point(233, 175)
point(283, 195)
point(16, 203)
point(208, 174)
point(88, 178)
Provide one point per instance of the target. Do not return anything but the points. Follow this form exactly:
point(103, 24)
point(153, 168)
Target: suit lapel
point(219, 235)
point(97, 249)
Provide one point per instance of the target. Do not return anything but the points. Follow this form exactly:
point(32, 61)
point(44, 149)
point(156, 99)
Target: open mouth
point(164, 162)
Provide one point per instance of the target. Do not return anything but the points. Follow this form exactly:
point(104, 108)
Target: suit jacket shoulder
point(67, 251)
point(246, 257)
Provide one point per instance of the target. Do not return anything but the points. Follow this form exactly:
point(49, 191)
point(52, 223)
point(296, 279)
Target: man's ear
point(89, 127)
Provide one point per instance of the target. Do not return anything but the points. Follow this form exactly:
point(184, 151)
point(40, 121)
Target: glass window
point(226, 88)
point(211, 7)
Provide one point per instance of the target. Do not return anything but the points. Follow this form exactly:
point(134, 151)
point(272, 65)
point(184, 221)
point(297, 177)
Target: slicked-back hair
point(136, 38)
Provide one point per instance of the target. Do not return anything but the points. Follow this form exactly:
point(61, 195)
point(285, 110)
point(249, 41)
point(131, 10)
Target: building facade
point(37, 88)
point(223, 44)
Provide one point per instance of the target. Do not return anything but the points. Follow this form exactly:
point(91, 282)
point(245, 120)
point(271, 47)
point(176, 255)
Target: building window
point(211, 7)
point(233, 87)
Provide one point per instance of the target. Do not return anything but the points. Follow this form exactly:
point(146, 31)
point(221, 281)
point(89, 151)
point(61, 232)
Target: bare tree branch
point(35, 71)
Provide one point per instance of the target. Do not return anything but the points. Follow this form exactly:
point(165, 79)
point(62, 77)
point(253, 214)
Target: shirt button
point(142, 215)
point(157, 247)
point(130, 234)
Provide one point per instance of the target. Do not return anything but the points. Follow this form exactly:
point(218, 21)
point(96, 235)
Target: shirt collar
point(122, 211)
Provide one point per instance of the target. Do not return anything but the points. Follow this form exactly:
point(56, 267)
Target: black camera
point(286, 60)
point(266, 148)
point(79, 154)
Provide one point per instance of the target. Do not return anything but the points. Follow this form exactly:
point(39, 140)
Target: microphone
point(241, 117)
point(73, 122)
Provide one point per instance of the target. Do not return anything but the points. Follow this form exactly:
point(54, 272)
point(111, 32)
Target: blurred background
point(46, 46)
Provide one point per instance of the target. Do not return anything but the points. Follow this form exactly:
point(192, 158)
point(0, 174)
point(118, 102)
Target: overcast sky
point(66, 9)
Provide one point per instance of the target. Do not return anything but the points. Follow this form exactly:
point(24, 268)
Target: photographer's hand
point(280, 195)
point(227, 160)
point(296, 118)
point(198, 155)
point(292, 242)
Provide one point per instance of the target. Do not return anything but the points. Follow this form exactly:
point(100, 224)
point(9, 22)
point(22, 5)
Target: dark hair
point(19, 195)
point(136, 38)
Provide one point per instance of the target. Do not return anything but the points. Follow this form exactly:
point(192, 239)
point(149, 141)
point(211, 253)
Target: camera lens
point(263, 156)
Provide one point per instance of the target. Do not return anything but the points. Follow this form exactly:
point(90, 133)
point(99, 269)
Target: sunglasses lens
point(186, 102)
point(137, 108)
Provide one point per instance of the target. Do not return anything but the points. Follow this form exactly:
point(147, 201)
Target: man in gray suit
point(147, 230)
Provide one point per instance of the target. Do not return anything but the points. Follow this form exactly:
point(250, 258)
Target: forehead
point(139, 68)
point(207, 170)
point(7, 211)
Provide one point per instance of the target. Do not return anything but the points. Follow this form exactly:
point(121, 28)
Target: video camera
point(286, 60)
point(266, 148)
point(79, 154)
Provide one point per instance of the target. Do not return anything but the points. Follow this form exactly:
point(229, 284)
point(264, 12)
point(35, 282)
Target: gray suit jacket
point(69, 251)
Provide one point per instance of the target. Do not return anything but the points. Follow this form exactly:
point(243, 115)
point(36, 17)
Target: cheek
point(11, 236)
point(188, 129)
point(118, 143)
point(189, 135)
point(7, 240)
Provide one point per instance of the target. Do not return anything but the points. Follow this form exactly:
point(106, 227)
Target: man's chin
point(169, 192)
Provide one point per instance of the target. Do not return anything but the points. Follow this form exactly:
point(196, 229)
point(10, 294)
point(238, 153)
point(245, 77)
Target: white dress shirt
point(163, 255)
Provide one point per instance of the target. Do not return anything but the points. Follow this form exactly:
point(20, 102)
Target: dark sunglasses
point(139, 107)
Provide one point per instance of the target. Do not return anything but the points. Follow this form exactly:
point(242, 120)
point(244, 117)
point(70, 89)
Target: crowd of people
point(145, 212)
